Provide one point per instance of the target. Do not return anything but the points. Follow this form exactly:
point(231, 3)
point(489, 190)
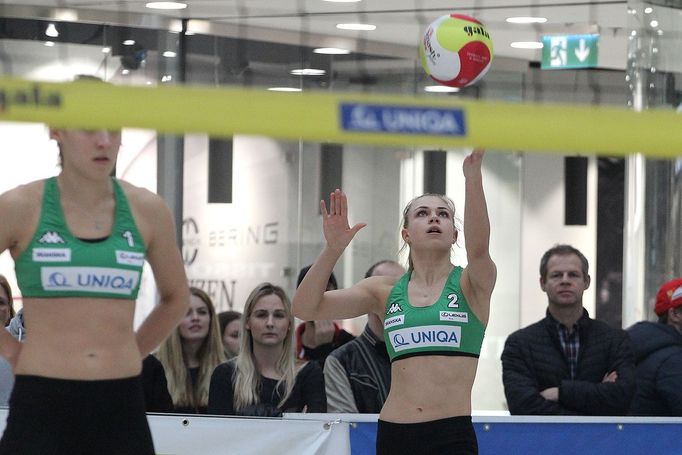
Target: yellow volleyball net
point(346, 117)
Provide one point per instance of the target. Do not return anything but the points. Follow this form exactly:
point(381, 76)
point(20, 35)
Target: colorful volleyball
point(456, 50)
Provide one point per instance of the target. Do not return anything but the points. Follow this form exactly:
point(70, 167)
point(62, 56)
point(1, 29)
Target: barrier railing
point(339, 434)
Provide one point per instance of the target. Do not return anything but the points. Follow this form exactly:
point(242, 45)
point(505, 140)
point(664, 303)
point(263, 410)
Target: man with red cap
point(658, 355)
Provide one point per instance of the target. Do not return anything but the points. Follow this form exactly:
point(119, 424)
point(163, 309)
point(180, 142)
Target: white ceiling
point(400, 23)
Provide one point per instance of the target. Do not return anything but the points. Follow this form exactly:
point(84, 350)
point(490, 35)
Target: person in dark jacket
point(658, 356)
point(567, 363)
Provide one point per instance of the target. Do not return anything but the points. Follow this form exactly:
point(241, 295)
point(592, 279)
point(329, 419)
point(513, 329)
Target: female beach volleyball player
point(434, 316)
point(79, 241)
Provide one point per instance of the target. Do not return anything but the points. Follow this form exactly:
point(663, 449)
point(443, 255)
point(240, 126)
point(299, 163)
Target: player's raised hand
point(335, 225)
point(472, 163)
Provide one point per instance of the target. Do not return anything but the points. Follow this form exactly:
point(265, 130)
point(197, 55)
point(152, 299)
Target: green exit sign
point(569, 51)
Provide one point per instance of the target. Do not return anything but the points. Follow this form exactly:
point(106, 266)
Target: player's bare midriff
point(427, 388)
point(79, 338)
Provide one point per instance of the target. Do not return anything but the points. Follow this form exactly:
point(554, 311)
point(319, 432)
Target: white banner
point(192, 435)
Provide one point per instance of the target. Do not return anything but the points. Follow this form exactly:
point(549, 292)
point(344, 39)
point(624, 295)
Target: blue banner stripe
point(374, 118)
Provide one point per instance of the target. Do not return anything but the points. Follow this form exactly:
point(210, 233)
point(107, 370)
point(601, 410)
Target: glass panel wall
point(654, 76)
point(269, 226)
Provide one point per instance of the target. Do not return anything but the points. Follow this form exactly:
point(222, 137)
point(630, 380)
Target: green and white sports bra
point(448, 327)
point(57, 264)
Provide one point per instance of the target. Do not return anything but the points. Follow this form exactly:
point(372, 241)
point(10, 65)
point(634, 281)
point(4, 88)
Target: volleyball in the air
point(456, 50)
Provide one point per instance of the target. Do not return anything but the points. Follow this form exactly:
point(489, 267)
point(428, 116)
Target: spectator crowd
point(260, 363)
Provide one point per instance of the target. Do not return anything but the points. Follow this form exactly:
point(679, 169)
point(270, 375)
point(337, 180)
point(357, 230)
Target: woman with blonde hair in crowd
point(190, 354)
point(265, 379)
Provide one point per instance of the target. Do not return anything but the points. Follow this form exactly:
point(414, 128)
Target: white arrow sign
point(582, 52)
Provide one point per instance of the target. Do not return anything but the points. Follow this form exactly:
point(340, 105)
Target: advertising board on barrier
point(176, 434)
point(346, 434)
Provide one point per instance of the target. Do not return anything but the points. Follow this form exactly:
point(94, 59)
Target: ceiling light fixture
point(308, 72)
point(362, 27)
point(169, 54)
point(106, 50)
point(284, 89)
point(129, 42)
point(166, 5)
point(654, 23)
point(49, 43)
point(331, 51)
point(66, 15)
point(440, 89)
point(648, 10)
point(526, 20)
point(51, 31)
point(526, 45)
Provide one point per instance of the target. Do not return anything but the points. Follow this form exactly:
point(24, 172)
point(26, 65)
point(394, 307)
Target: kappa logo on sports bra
point(394, 308)
point(51, 237)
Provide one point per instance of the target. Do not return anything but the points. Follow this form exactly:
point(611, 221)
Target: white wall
point(543, 226)
point(371, 178)
point(246, 242)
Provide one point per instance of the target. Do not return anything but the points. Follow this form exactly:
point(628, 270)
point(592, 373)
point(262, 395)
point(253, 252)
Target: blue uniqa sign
point(375, 118)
